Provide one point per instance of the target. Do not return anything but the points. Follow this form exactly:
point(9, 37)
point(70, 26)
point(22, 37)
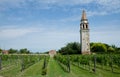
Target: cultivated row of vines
point(28, 60)
point(110, 62)
point(23, 61)
point(64, 62)
point(45, 64)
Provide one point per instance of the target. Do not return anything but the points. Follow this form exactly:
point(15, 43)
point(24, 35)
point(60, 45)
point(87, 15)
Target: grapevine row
point(91, 62)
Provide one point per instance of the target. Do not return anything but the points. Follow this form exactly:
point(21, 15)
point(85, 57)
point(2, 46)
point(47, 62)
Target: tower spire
point(83, 15)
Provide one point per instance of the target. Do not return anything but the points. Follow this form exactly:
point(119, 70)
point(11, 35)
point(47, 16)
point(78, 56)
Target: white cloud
point(106, 34)
point(95, 13)
point(108, 5)
point(64, 2)
point(11, 32)
point(37, 39)
point(77, 17)
point(102, 7)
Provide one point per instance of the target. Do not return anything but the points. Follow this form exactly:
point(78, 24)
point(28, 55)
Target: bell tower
point(84, 34)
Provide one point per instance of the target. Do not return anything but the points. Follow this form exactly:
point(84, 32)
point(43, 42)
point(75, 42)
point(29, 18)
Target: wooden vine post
point(94, 70)
point(44, 65)
point(22, 64)
point(68, 63)
point(89, 64)
point(111, 63)
point(0, 63)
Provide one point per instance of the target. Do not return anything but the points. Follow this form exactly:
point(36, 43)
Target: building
point(84, 34)
point(52, 53)
point(5, 52)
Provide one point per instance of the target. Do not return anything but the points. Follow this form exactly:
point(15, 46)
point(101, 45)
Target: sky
point(43, 25)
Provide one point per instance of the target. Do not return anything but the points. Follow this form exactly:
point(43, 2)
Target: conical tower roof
point(83, 15)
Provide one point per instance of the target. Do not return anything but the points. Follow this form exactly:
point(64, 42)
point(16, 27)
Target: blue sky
point(42, 25)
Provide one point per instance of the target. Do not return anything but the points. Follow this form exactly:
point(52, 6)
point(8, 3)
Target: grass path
point(54, 70)
point(33, 71)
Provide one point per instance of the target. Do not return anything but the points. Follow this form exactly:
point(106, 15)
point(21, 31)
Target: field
point(60, 66)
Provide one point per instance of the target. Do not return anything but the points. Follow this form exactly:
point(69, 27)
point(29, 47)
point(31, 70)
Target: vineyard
point(15, 65)
point(90, 62)
point(101, 65)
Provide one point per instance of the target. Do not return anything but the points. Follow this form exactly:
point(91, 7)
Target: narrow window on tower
point(86, 26)
point(83, 26)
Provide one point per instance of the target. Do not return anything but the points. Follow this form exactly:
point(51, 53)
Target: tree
point(0, 50)
point(74, 48)
point(98, 47)
point(11, 51)
point(116, 49)
point(70, 48)
point(24, 51)
point(111, 49)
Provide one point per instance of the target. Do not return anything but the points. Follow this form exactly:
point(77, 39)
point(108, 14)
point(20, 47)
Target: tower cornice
point(84, 15)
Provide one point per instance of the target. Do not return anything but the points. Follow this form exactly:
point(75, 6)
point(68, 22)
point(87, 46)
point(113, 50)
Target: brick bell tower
point(84, 34)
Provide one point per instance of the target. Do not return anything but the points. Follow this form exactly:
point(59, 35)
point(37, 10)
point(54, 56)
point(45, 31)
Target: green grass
point(99, 72)
point(33, 71)
point(54, 70)
point(10, 71)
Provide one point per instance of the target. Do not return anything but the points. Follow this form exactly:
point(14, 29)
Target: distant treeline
point(15, 51)
point(75, 48)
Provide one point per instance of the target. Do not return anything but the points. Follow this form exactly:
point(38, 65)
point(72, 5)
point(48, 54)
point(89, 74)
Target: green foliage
point(15, 51)
point(11, 65)
point(111, 50)
point(44, 71)
point(113, 60)
point(45, 63)
point(24, 51)
point(28, 60)
point(11, 51)
point(75, 48)
point(98, 47)
point(0, 50)
point(64, 62)
point(70, 48)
